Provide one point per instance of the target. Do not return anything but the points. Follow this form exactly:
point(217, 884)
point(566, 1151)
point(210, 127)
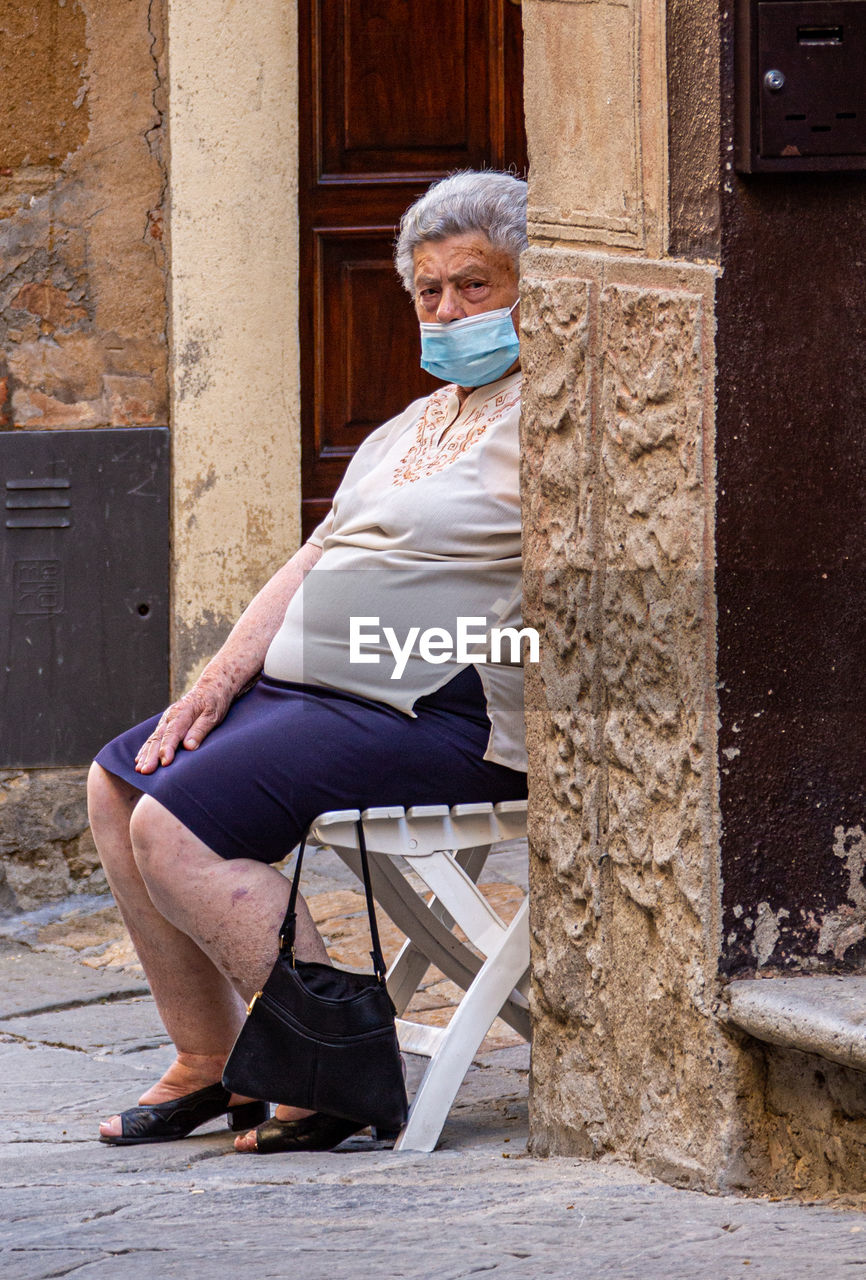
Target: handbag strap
point(287, 928)
point(376, 954)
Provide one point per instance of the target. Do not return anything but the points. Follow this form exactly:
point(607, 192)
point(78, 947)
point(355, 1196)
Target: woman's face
point(462, 276)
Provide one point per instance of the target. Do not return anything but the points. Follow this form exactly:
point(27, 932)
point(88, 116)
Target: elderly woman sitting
point(344, 709)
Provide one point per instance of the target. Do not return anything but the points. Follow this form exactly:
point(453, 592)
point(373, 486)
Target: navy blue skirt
point(287, 752)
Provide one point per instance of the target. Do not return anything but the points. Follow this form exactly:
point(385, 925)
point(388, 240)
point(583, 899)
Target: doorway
point(393, 95)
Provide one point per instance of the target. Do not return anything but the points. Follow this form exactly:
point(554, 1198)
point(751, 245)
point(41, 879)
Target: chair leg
point(416, 920)
point(406, 975)
point(467, 1028)
point(407, 972)
point(473, 860)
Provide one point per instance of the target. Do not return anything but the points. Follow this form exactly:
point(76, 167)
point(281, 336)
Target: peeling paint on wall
point(44, 109)
point(767, 931)
point(791, 551)
point(832, 934)
point(844, 928)
point(82, 182)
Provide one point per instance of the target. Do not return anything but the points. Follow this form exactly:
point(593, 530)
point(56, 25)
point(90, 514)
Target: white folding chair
point(447, 849)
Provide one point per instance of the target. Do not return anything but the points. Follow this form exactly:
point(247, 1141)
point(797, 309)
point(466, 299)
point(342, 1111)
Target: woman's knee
point(150, 840)
point(165, 852)
point(107, 794)
point(110, 802)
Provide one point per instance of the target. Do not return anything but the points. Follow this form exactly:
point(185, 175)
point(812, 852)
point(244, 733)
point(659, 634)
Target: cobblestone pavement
point(79, 1038)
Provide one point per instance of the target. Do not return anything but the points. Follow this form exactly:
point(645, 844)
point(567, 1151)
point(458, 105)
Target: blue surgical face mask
point(472, 351)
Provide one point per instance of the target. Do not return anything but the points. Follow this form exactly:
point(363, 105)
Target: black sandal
point(168, 1121)
point(317, 1132)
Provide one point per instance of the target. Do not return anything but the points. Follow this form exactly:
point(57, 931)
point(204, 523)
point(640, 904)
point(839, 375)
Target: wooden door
point(393, 94)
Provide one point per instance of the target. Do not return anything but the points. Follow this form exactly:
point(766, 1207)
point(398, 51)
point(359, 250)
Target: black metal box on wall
point(800, 85)
point(84, 568)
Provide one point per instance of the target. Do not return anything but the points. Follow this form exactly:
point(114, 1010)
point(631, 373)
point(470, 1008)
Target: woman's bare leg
point(232, 909)
point(199, 1006)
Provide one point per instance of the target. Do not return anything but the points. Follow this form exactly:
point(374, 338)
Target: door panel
point(385, 121)
point(393, 94)
point(368, 325)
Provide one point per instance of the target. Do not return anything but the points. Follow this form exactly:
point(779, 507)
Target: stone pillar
point(618, 485)
point(690, 475)
point(234, 312)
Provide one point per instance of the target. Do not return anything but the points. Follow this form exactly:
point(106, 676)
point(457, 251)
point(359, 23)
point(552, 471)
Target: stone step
point(825, 1015)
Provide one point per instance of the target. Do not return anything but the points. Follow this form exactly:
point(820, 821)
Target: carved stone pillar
point(692, 463)
point(618, 488)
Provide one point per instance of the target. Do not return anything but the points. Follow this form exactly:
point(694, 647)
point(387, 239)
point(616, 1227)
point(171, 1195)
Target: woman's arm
point(191, 718)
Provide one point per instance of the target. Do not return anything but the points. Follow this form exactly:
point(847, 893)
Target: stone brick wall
point(46, 849)
point(83, 311)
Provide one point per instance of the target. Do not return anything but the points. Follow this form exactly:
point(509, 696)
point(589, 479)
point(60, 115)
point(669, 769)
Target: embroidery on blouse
point(427, 455)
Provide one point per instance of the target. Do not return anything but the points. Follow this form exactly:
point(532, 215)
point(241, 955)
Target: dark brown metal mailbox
point(800, 85)
point(84, 599)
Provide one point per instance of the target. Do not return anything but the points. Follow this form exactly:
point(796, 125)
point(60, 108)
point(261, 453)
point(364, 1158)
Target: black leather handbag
point(322, 1038)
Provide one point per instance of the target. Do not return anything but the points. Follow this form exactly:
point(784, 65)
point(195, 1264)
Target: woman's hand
point(235, 667)
point(187, 721)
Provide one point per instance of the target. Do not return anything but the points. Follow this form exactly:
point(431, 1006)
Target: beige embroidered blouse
point(424, 530)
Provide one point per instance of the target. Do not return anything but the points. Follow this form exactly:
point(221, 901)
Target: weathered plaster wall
point(233, 127)
point(791, 544)
point(82, 179)
point(82, 303)
point(43, 57)
point(85, 314)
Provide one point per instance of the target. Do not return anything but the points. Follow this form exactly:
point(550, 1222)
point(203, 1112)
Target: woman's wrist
point(219, 684)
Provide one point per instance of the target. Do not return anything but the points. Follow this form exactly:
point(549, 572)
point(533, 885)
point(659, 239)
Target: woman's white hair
point(475, 200)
